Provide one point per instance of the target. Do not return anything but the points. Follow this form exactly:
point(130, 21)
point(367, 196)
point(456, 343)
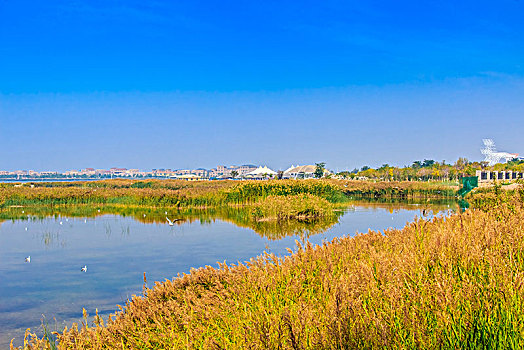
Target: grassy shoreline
point(182, 194)
point(442, 283)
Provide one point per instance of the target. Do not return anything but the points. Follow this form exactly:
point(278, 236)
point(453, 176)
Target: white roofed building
point(189, 177)
point(261, 172)
point(302, 172)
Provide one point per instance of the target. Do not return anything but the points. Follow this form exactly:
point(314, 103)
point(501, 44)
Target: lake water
point(119, 247)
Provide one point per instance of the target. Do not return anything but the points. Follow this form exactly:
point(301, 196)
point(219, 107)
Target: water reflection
point(119, 244)
point(52, 239)
point(237, 215)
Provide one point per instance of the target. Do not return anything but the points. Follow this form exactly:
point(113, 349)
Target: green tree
point(428, 163)
point(234, 174)
point(345, 174)
point(417, 164)
point(319, 170)
point(461, 165)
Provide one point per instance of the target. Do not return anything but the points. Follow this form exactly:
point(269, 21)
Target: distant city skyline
point(195, 84)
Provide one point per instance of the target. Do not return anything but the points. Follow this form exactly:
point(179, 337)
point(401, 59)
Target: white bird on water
point(84, 269)
point(61, 223)
point(28, 259)
point(171, 223)
point(26, 228)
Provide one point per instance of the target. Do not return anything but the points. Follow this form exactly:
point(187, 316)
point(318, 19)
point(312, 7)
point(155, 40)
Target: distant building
point(48, 173)
point(490, 176)
point(72, 173)
point(221, 171)
point(262, 172)
point(88, 172)
point(302, 172)
point(184, 171)
point(199, 172)
point(164, 173)
point(102, 172)
point(118, 171)
point(189, 177)
point(244, 169)
point(133, 172)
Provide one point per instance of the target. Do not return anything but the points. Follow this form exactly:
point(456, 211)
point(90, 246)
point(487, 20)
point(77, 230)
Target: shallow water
point(119, 249)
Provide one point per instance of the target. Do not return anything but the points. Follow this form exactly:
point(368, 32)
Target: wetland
point(119, 244)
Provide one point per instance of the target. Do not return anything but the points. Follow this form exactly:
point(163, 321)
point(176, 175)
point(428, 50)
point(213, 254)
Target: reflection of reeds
point(273, 230)
point(445, 283)
point(49, 239)
point(240, 215)
point(108, 229)
point(125, 230)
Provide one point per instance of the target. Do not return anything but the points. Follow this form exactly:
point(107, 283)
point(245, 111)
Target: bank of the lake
point(182, 194)
point(441, 283)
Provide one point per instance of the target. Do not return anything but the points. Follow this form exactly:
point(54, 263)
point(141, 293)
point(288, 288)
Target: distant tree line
point(429, 170)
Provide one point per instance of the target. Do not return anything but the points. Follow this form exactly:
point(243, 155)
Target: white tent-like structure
point(260, 172)
point(302, 172)
point(289, 169)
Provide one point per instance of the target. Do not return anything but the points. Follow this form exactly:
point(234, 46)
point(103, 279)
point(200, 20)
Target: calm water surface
point(119, 249)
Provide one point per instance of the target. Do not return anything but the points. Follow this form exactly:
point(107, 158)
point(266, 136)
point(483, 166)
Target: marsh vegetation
point(179, 193)
point(438, 283)
point(273, 209)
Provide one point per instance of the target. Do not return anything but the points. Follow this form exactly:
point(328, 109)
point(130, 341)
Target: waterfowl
point(170, 223)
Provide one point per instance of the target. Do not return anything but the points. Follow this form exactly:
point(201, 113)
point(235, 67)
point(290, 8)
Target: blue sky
point(195, 84)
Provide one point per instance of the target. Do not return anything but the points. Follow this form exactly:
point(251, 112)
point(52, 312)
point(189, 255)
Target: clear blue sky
point(153, 84)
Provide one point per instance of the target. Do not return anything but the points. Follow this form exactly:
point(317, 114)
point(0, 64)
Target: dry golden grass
point(453, 282)
point(395, 189)
point(301, 206)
